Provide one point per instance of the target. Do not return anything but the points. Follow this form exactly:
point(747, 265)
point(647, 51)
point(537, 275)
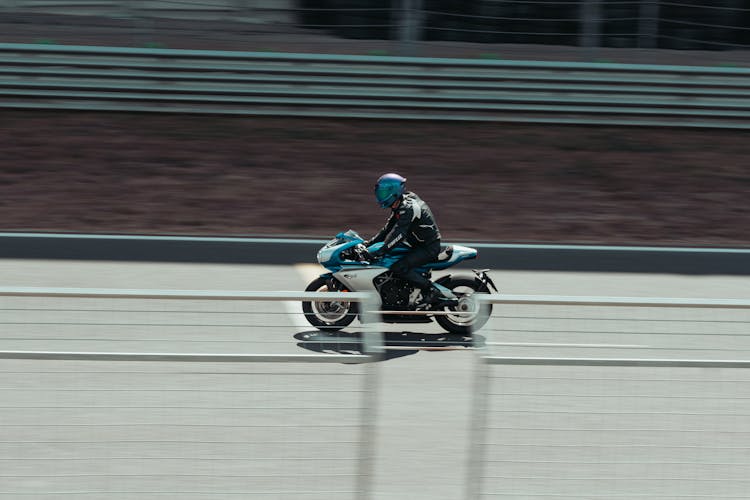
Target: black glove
point(362, 254)
point(376, 254)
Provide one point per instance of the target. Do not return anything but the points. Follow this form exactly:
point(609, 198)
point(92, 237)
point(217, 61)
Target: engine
point(393, 291)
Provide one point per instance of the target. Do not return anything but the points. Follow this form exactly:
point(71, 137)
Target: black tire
point(465, 323)
point(327, 316)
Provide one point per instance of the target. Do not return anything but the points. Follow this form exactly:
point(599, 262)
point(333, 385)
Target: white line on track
point(294, 311)
point(309, 272)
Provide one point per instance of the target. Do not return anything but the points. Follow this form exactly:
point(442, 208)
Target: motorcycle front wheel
point(328, 316)
point(467, 316)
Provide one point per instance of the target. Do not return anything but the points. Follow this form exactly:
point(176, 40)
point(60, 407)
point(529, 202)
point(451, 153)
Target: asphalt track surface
point(110, 439)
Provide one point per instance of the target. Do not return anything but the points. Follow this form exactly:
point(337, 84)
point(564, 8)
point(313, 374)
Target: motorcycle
point(345, 256)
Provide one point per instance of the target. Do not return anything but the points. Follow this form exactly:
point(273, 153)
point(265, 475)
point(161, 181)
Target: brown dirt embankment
point(197, 175)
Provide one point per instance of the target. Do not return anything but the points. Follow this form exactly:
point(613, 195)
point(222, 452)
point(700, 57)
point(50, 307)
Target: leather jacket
point(411, 223)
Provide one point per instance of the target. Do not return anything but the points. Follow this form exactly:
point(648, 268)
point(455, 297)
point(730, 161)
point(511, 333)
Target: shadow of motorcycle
point(397, 343)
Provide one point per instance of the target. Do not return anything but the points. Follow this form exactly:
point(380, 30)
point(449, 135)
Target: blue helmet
point(388, 189)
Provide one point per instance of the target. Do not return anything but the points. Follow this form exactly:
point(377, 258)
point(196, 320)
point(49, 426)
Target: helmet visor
point(383, 193)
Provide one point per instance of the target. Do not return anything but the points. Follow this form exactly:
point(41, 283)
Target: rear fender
point(443, 279)
point(482, 277)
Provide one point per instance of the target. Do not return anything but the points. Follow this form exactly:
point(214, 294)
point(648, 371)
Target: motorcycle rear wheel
point(469, 316)
point(327, 316)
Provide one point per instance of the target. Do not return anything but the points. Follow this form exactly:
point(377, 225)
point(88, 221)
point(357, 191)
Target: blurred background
point(393, 27)
point(611, 147)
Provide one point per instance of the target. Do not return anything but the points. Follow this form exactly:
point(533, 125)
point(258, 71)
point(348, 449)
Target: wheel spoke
point(323, 314)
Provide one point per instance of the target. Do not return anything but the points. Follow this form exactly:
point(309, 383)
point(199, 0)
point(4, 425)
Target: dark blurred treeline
point(682, 24)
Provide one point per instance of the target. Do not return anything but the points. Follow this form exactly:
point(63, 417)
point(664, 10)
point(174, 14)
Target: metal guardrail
point(108, 293)
point(584, 301)
point(316, 85)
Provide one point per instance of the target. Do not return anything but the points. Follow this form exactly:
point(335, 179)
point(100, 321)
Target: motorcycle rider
point(411, 224)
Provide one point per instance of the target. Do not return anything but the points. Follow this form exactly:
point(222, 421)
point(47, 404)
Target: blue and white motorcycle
point(345, 257)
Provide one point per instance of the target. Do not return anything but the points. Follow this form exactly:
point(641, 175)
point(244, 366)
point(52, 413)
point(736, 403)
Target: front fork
point(333, 284)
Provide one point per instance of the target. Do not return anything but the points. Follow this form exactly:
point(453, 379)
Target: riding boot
point(433, 296)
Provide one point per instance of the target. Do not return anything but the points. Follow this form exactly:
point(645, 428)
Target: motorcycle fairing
point(360, 278)
point(448, 257)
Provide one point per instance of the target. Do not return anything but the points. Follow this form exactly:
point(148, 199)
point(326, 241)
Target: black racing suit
point(410, 224)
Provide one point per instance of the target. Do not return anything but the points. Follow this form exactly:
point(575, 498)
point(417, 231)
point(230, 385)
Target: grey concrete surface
point(181, 429)
point(281, 251)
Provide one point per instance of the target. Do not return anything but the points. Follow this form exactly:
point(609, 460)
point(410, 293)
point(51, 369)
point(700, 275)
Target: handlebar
point(357, 253)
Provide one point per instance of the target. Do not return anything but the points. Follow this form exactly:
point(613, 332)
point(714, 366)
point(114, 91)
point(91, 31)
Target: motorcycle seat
point(445, 254)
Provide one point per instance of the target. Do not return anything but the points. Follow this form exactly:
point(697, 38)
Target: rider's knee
point(400, 268)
